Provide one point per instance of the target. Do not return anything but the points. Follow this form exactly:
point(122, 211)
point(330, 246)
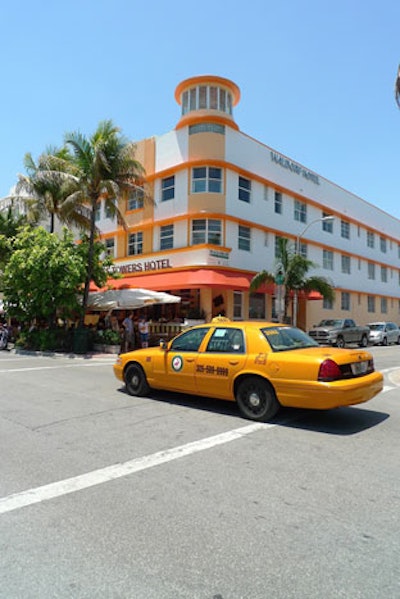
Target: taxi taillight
point(329, 371)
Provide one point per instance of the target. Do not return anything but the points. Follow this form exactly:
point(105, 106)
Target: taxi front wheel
point(135, 380)
point(256, 399)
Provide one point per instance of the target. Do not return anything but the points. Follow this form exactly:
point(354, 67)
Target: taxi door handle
point(189, 359)
point(233, 362)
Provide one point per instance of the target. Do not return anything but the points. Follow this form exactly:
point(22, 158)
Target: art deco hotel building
point(221, 201)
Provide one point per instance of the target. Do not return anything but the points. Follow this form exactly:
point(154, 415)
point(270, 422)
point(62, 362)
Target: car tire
point(256, 399)
point(398, 341)
point(340, 342)
point(385, 341)
point(364, 341)
point(135, 380)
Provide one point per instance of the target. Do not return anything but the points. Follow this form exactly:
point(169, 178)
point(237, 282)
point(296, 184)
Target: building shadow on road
point(340, 421)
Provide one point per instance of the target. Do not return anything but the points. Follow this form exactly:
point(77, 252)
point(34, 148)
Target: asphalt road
point(107, 496)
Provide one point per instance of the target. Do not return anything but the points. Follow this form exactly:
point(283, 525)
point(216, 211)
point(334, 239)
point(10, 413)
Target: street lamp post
point(329, 217)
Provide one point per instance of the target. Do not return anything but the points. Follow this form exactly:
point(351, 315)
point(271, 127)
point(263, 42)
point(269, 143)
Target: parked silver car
point(384, 333)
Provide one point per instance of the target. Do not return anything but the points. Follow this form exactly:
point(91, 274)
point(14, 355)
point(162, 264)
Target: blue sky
point(316, 78)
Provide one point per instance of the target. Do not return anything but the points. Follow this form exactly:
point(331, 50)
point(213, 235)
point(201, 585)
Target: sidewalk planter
point(103, 348)
point(112, 349)
point(107, 341)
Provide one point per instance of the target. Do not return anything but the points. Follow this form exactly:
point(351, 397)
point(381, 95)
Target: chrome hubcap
point(254, 400)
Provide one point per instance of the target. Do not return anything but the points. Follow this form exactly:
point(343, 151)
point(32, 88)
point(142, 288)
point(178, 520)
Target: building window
point(345, 229)
point(244, 189)
point(302, 249)
point(136, 199)
point(110, 247)
point(327, 304)
point(327, 259)
point(345, 300)
point(383, 245)
point(206, 97)
point(110, 212)
point(135, 243)
point(346, 265)
point(371, 271)
point(257, 306)
point(384, 305)
point(384, 276)
point(206, 179)
point(168, 188)
point(300, 211)
point(166, 237)
point(237, 305)
point(371, 303)
point(277, 248)
point(370, 239)
point(327, 225)
point(244, 238)
point(206, 231)
point(97, 212)
point(278, 202)
point(206, 128)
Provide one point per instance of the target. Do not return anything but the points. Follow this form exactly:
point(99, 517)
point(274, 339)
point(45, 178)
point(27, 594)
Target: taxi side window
point(226, 341)
point(189, 341)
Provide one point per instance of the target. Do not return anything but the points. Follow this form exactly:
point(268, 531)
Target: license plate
point(359, 368)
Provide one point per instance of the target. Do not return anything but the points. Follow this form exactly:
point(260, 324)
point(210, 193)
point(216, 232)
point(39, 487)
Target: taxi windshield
point(287, 338)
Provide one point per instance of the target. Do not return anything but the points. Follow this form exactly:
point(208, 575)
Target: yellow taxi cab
point(260, 365)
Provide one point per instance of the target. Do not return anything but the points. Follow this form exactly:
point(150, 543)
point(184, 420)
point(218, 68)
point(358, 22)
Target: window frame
point(300, 211)
point(166, 240)
point(168, 188)
point(345, 229)
point(244, 238)
point(208, 230)
point(135, 243)
point(211, 184)
point(244, 189)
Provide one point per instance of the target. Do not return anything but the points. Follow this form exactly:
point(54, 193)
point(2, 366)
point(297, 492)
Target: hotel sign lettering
point(144, 266)
point(294, 167)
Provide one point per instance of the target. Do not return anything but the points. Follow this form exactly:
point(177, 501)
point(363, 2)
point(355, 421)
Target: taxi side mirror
point(163, 344)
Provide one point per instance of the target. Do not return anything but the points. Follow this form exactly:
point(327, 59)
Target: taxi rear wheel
point(135, 380)
point(256, 399)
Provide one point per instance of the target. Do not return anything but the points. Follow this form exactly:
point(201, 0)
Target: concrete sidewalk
point(49, 354)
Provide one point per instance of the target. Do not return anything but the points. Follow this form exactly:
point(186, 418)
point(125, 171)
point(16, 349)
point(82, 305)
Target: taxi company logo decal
point(177, 363)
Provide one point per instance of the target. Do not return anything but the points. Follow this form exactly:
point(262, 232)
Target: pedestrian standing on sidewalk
point(127, 326)
point(143, 327)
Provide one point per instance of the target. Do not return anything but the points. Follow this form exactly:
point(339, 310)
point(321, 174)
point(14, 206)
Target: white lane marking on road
point(29, 369)
point(387, 388)
point(104, 475)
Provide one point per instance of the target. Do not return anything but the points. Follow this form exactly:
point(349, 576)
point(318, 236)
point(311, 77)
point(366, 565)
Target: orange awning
point(194, 279)
point(185, 279)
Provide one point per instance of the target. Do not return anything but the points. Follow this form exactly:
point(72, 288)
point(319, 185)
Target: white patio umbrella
point(129, 299)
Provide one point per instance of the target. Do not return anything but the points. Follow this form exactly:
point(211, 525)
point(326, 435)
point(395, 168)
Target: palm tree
point(103, 167)
point(293, 269)
point(47, 190)
point(10, 222)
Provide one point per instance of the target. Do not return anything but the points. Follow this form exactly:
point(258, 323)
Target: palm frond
point(397, 88)
point(260, 278)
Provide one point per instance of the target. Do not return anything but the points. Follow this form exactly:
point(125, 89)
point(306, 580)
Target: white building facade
point(223, 198)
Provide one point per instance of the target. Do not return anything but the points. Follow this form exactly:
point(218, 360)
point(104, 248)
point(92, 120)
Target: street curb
point(69, 355)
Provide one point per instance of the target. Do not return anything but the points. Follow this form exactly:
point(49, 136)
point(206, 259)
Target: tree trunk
point(89, 271)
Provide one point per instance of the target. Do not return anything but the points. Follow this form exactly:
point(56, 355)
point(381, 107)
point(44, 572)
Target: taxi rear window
point(287, 338)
